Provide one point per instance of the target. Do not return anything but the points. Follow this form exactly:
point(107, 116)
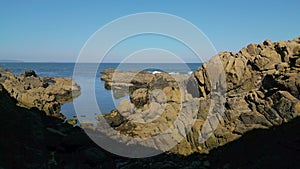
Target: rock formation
point(262, 90)
point(121, 82)
point(263, 83)
point(45, 93)
point(260, 96)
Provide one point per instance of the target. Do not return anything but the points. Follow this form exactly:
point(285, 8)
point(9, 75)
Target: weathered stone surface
point(262, 86)
point(139, 97)
point(114, 119)
point(125, 79)
point(46, 94)
point(28, 73)
point(269, 99)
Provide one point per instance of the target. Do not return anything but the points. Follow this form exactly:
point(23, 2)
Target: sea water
point(104, 98)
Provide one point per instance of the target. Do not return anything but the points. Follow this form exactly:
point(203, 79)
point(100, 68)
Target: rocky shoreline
point(262, 90)
point(44, 93)
point(259, 127)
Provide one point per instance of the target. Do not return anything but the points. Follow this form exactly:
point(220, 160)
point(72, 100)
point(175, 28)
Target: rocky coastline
point(44, 93)
point(259, 127)
point(262, 90)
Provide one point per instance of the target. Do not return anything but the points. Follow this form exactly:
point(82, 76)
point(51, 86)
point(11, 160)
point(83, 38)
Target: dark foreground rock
point(44, 93)
point(277, 147)
point(32, 140)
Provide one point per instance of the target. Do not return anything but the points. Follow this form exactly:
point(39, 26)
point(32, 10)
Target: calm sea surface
point(87, 79)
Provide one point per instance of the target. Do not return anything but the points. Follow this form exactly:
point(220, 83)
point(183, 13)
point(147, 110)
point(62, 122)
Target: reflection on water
point(104, 98)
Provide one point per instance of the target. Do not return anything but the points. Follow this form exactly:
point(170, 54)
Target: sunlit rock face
point(45, 93)
point(261, 90)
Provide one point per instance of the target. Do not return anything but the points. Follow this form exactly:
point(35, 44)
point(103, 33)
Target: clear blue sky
point(56, 30)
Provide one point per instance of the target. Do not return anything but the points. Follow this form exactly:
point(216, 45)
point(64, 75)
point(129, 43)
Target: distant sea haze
point(11, 61)
point(104, 97)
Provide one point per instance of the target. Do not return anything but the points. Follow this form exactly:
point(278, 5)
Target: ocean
point(104, 97)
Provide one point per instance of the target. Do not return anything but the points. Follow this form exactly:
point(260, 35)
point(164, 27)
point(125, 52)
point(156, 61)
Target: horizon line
point(90, 62)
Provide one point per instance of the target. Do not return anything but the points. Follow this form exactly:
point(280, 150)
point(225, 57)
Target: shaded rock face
point(28, 73)
point(32, 140)
point(46, 94)
point(35, 141)
point(262, 90)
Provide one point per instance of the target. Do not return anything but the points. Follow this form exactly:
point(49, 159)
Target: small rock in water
point(73, 121)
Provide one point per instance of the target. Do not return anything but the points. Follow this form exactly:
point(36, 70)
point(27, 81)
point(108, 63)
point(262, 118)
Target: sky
point(56, 30)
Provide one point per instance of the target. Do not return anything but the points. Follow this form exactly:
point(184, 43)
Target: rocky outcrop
point(46, 94)
point(32, 140)
point(119, 78)
point(122, 82)
point(261, 90)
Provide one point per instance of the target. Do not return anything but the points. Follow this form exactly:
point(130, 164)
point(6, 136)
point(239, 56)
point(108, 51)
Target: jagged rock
point(142, 78)
point(72, 121)
point(139, 97)
point(262, 90)
point(172, 94)
point(297, 62)
point(108, 71)
point(125, 79)
point(47, 94)
point(29, 73)
point(285, 104)
point(125, 106)
point(114, 119)
point(272, 98)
